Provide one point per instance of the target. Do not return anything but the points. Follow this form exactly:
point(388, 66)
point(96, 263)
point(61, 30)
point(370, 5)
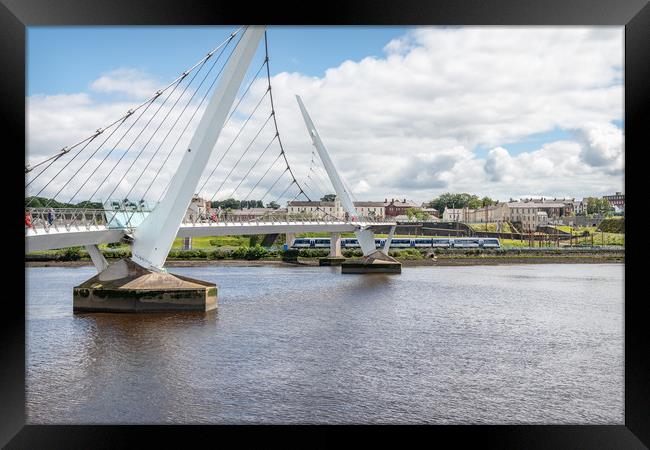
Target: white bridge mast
point(154, 237)
point(365, 236)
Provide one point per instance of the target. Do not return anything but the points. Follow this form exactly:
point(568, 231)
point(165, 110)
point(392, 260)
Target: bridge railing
point(64, 219)
point(195, 219)
point(43, 220)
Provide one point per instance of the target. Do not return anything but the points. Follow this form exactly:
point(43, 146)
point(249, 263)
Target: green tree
point(328, 198)
point(598, 206)
point(230, 203)
point(417, 214)
point(449, 200)
point(487, 201)
point(273, 205)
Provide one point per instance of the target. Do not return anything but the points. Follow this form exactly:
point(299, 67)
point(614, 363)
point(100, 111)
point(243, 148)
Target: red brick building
point(398, 208)
point(617, 199)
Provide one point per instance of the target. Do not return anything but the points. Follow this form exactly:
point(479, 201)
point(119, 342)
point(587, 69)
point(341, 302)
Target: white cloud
point(602, 146)
point(412, 122)
point(499, 165)
point(132, 82)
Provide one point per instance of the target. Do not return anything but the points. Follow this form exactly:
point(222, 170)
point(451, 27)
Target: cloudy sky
point(404, 112)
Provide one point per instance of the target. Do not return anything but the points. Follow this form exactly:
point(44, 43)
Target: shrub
point(219, 254)
point(313, 253)
point(256, 252)
point(411, 253)
point(187, 254)
point(612, 226)
point(250, 253)
point(230, 241)
point(352, 253)
point(290, 255)
point(120, 254)
point(70, 254)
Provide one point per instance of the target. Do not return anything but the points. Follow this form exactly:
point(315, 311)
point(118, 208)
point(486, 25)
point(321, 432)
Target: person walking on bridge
point(50, 216)
point(28, 219)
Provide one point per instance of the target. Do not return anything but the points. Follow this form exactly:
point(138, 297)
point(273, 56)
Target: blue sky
point(498, 111)
point(65, 60)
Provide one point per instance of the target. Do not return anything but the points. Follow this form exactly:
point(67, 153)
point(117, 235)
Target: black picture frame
point(16, 15)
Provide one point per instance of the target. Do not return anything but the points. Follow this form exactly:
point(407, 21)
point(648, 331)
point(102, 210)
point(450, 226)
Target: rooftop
point(536, 205)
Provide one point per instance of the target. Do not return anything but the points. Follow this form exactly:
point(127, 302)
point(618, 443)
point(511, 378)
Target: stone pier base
point(331, 261)
point(376, 262)
point(128, 287)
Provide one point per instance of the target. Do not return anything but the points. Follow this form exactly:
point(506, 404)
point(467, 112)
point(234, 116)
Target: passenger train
point(404, 243)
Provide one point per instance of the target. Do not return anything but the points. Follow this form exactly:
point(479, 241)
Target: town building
point(616, 200)
point(556, 207)
point(580, 207)
point(431, 212)
point(457, 214)
point(493, 213)
point(253, 213)
point(371, 209)
point(198, 208)
point(531, 213)
point(320, 209)
point(396, 207)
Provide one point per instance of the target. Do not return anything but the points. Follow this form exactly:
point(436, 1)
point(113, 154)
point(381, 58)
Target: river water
point(476, 344)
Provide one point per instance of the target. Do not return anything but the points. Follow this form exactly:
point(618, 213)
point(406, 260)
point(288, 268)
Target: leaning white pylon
point(154, 237)
point(365, 236)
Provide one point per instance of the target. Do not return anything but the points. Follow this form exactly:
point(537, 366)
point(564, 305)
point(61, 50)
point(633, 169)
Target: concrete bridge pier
point(290, 237)
point(125, 286)
point(96, 256)
point(335, 258)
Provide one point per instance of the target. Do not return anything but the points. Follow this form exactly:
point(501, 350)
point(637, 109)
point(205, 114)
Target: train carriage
point(464, 242)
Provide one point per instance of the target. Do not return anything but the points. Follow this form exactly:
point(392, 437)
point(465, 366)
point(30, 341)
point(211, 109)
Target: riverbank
point(453, 260)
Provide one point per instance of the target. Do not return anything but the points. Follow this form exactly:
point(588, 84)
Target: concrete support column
point(290, 237)
point(335, 245)
point(96, 255)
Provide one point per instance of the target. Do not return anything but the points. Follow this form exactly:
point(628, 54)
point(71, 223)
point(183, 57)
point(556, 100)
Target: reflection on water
point(487, 344)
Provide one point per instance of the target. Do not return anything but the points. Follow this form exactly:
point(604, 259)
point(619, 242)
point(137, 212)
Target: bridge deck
point(41, 238)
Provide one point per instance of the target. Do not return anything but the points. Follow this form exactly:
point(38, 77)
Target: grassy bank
point(258, 253)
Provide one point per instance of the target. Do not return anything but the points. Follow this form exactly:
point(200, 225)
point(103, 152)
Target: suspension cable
point(234, 140)
point(61, 170)
point(130, 112)
point(141, 149)
point(253, 166)
point(276, 182)
point(275, 122)
point(111, 151)
point(56, 158)
point(198, 107)
point(173, 125)
point(263, 176)
point(63, 151)
point(242, 155)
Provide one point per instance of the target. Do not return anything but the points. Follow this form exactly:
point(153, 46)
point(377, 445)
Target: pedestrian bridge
point(146, 154)
point(70, 228)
